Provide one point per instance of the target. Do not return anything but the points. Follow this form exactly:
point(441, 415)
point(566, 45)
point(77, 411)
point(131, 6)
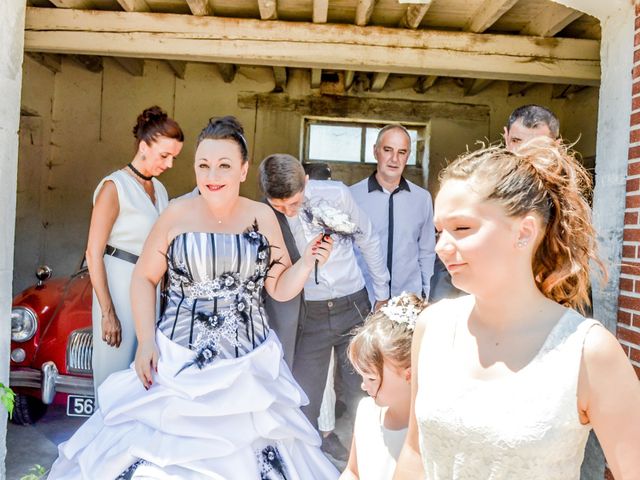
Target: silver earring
point(521, 243)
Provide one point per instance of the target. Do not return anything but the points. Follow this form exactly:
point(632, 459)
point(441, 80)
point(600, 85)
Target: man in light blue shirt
point(338, 300)
point(401, 213)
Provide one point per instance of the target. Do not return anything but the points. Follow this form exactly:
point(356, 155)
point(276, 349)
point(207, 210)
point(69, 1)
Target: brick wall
point(629, 303)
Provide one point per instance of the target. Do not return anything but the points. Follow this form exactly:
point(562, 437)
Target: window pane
point(372, 134)
point(334, 143)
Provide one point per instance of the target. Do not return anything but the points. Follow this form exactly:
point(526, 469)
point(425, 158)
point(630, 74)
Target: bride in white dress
point(210, 396)
point(508, 381)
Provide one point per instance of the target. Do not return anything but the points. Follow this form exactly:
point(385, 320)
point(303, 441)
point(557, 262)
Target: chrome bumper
point(50, 382)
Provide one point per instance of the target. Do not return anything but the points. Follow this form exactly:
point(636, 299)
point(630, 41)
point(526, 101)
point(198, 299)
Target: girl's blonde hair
point(545, 178)
point(382, 337)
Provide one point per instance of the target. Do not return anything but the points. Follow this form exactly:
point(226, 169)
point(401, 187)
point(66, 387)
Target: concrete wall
point(80, 130)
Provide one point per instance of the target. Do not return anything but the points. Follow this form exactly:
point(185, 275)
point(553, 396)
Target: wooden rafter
point(133, 66)
point(253, 42)
point(379, 80)
point(268, 9)
point(200, 7)
point(74, 4)
point(349, 75)
point(519, 88)
point(551, 20)
point(424, 83)
point(50, 61)
point(280, 78)
point(487, 14)
point(227, 71)
point(178, 67)
point(92, 63)
point(364, 11)
point(134, 5)
point(473, 86)
point(414, 15)
point(320, 11)
point(316, 77)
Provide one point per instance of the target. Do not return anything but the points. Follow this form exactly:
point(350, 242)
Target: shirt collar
point(375, 185)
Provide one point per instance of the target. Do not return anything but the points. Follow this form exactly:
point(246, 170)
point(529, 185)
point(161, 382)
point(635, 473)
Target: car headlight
point(24, 324)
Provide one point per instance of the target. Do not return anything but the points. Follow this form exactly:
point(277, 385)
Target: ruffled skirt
point(234, 419)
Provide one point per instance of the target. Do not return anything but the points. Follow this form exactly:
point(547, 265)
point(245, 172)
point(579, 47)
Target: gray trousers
point(328, 324)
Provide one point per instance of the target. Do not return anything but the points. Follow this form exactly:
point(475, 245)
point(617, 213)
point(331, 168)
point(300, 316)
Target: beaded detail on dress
point(212, 303)
point(523, 426)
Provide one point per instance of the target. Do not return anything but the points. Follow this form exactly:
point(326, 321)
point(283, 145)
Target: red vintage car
point(51, 346)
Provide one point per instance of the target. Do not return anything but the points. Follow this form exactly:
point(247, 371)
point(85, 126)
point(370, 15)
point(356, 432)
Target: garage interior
point(454, 69)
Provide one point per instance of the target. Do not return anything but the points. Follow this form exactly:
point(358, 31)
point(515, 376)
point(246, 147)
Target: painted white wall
point(12, 41)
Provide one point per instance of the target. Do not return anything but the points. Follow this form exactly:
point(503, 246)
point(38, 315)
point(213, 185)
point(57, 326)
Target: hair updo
point(542, 177)
point(153, 123)
point(225, 128)
point(382, 337)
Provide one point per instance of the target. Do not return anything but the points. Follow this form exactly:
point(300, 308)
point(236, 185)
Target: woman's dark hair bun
point(154, 121)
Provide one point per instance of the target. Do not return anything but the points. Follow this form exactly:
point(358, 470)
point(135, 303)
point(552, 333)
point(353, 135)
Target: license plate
point(79, 406)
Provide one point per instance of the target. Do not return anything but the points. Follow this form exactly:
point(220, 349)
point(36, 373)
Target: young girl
point(509, 380)
point(381, 353)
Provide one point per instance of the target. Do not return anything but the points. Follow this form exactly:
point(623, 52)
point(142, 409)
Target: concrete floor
point(28, 445)
point(37, 444)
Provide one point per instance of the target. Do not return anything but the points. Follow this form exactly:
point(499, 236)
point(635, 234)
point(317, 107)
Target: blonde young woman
point(509, 380)
point(126, 205)
point(209, 395)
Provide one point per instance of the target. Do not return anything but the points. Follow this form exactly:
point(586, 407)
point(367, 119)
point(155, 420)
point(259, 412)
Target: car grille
point(80, 351)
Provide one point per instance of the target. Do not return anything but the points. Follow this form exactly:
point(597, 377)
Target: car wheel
point(27, 410)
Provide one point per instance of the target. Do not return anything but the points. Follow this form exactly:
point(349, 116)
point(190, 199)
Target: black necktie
point(390, 237)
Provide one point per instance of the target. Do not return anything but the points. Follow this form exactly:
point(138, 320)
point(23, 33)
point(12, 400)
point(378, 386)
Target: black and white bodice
point(212, 298)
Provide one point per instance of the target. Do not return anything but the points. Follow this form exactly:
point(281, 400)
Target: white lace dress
point(525, 426)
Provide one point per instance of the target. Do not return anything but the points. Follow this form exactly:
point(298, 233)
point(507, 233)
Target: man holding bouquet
point(335, 297)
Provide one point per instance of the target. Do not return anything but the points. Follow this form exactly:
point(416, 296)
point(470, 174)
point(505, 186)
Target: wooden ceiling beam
point(349, 76)
point(316, 77)
point(519, 88)
point(551, 20)
point(424, 83)
point(92, 63)
point(268, 9)
point(364, 11)
point(414, 15)
point(473, 86)
point(379, 81)
point(227, 71)
point(50, 61)
point(487, 14)
point(133, 66)
point(74, 4)
point(305, 45)
point(280, 78)
point(200, 8)
point(178, 67)
point(320, 11)
point(134, 5)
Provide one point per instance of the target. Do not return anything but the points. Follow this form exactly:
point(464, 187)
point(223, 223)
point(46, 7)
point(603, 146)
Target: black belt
point(121, 254)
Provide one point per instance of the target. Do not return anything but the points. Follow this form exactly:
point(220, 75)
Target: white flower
point(397, 311)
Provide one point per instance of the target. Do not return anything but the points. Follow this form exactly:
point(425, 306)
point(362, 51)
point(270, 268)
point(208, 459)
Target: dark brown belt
point(121, 254)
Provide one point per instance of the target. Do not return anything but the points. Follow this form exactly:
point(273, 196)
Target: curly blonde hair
point(381, 338)
point(542, 177)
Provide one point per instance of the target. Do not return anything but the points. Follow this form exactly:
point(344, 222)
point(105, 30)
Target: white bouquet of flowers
point(329, 220)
